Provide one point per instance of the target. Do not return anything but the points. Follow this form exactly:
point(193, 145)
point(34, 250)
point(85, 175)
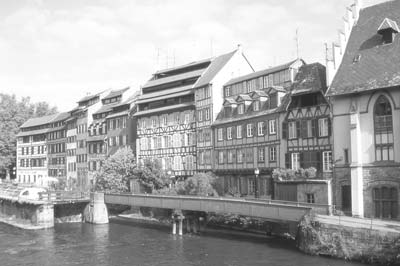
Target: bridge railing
point(54, 196)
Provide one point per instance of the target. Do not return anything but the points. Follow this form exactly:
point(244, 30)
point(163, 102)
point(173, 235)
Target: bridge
point(267, 209)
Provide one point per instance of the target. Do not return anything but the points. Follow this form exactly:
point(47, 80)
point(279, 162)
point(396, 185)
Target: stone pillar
point(45, 216)
point(174, 227)
point(195, 225)
point(180, 226)
point(96, 211)
point(357, 198)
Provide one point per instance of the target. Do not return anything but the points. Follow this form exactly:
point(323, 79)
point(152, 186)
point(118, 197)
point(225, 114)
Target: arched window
point(383, 125)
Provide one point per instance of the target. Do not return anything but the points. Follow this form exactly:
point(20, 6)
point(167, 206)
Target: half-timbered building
point(247, 130)
point(307, 126)
point(365, 98)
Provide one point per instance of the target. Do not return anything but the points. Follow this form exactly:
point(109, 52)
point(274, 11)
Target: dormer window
point(241, 109)
point(388, 29)
point(256, 106)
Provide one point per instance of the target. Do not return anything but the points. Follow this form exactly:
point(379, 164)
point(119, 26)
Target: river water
point(128, 243)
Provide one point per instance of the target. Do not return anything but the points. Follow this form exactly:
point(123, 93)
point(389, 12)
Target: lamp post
point(256, 172)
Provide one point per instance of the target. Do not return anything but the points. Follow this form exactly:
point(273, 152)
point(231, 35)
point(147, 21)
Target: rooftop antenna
point(297, 43)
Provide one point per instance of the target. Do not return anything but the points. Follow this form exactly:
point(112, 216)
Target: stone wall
point(41, 216)
point(358, 244)
point(69, 213)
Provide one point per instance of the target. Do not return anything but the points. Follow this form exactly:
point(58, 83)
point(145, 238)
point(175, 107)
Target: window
point(153, 122)
point(241, 109)
point(260, 128)
point(346, 156)
point(239, 131)
point(307, 128)
point(295, 161)
point(200, 115)
point(272, 126)
point(385, 200)
point(229, 133)
point(383, 129)
point(261, 154)
point(207, 113)
point(220, 131)
point(220, 157)
point(187, 119)
point(124, 122)
point(256, 106)
point(164, 121)
point(327, 161)
point(272, 154)
point(323, 127)
point(249, 130)
point(230, 156)
point(227, 91)
point(239, 156)
point(310, 198)
point(292, 130)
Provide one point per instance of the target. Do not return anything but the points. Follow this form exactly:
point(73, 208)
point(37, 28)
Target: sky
point(61, 50)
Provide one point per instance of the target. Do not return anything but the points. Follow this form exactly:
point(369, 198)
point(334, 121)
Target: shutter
point(301, 160)
point(314, 127)
point(329, 127)
point(287, 161)
point(265, 127)
point(244, 131)
point(298, 129)
point(319, 161)
point(304, 132)
point(233, 132)
point(284, 130)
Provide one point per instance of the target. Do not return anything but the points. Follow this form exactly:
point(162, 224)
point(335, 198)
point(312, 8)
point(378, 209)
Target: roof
point(173, 78)
point(388, 24)
point(37, 121)
point(88, 97)
point(153, 96)
point(377, 65)
point(261, 73)
point(32, 132)
point(310, 78)
point(216, 65)
point(115, 93)
point(125, 112)
point(244, 97)
point(229, 101)
point(183, 66)
point(163, 109)
point(106, 108)
point(61, 117)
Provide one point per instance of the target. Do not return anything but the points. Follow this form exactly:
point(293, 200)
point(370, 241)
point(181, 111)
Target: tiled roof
point(165, 108)
point(88, 97)
point(125, 112)
point(377, 64)
point(229, 101)
point(199, 62)
point(258, 93)
point(106, 108)
point(32, 132)
point(115, 93)
point(130, 100)
point(261, 73)
point(216, 65)
point(173, 78)
point(309, 78)
point(37, 121)
point(163, 93)
point(388, 24)
point(244, 97)
point(61, 117)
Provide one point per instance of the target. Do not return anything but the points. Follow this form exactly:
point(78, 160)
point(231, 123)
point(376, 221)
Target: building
point(174, 102)
point(84, 117)
point(111, 128)
point(41, 150)
point(307, 125)
point(365, 101)
point(247, 133)
point(56, 148)
point(71, 145)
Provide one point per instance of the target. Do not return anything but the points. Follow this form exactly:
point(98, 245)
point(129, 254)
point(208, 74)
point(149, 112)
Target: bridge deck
point(263, 209)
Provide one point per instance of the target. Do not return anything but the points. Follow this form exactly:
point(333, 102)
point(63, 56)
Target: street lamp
point(171, 178)
point(256, 172)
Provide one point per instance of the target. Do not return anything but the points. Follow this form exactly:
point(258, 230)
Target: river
point(128, 243)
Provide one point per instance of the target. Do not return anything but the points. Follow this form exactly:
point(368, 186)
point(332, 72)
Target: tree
point(13, 113)
point(282, 174)
point(151, 175)
point(201, 184)
point(116, 171)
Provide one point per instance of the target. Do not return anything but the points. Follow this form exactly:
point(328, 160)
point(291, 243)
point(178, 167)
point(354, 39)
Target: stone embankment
point(365, 240)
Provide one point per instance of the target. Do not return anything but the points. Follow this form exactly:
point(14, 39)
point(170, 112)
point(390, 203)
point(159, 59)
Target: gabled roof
point(378, 64)
point(174, 78)
point(164, 94)
point(115, 93)
point(310, 78)
point(243, 97)
point(229, 101)
point(257, 94)
point(191, 64)
point(262, 72)
point(106, 108)
point(216, 65)
point(388, 24)
point(37, 121)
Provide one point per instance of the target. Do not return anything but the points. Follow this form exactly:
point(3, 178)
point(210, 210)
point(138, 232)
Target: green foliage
point(282, 174)
point(201, 184)
point(151, 175)
point(116, 171)
point(13, 113)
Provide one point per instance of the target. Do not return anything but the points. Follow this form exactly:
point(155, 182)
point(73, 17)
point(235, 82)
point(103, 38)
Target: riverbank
point(19, 223)
point(364, 240)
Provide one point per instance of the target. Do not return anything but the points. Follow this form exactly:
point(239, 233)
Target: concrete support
point(96, 211)
point(174, 227)
point(180, 226)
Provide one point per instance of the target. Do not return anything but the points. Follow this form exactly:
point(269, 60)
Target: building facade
point(364, 96)
point(247, 133)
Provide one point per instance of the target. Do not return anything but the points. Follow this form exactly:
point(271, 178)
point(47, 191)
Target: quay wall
point(349, 243)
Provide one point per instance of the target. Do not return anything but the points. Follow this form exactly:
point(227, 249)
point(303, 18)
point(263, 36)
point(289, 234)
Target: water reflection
point(125, 243)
